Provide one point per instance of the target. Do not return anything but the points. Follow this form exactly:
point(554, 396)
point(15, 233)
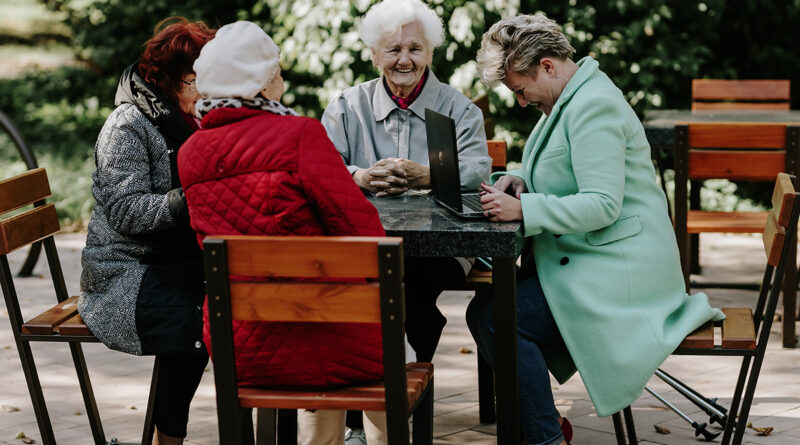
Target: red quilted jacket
point(253, 172)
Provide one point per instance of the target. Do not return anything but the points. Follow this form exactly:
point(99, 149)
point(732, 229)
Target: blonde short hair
point(518, 44)
point(388, 16)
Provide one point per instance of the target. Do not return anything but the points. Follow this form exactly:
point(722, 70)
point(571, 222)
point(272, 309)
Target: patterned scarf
point(405, 102)
point(204, 106)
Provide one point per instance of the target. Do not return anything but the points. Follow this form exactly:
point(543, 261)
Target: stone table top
point(430, 230)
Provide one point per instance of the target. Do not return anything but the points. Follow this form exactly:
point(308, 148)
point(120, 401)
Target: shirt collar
point(382, 103)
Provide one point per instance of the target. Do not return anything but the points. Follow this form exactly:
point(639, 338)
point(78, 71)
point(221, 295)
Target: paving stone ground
point(121, 381)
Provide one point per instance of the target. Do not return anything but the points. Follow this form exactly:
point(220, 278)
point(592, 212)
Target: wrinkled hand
point(417, 175)
point(386, 177)
point(514, 183)
point(500, 206)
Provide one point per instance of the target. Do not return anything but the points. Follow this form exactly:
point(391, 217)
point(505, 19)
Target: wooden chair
point(745, 333)
point(720, 94)
point(732, 95)
point(407, 389)
point(736, 151)
point(60, 323)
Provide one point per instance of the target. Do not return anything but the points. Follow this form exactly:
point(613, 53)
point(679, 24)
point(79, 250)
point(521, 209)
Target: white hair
point(387, 17)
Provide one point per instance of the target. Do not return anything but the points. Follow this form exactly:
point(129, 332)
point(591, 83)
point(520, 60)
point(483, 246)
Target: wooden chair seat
point(738, 332)
point(479, 277)
point(62, 318)
point(370, 397)
point(699, 221)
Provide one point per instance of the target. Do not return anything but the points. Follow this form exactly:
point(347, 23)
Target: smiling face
point(402, 58)
point(541, 89)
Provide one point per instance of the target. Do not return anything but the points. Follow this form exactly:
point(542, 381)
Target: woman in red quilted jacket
point(256, 168)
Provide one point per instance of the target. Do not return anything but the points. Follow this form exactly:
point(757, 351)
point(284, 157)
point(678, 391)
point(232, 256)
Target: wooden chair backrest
point(498, 151)
point(737, 151)
point(722, 94)
point(345, 270)
point(31, 225)
point(778, 219)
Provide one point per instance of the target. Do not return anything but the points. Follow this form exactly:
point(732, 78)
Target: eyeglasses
point(191, 83)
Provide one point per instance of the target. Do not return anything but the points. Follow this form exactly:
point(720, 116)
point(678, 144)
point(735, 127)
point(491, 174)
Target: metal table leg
point(507, 378)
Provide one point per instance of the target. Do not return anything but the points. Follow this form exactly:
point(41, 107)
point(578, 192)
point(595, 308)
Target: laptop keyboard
point(472, 201)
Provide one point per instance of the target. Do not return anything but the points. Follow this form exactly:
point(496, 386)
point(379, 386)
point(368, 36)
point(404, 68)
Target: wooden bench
point(60, 323)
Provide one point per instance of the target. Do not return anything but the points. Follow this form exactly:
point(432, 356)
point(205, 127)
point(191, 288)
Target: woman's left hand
point(500, 206)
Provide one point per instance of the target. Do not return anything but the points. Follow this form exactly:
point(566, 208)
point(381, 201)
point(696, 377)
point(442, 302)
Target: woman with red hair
point(142, 283)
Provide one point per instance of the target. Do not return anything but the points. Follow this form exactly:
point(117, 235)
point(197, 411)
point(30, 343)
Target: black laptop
point(443, 162)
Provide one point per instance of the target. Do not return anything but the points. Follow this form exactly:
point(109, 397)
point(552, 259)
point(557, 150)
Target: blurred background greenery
point(60, 61)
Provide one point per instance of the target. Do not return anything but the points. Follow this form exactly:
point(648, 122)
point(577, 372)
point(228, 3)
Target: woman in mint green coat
point(600, 290)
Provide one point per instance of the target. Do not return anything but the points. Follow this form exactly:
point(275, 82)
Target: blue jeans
point(536, 331)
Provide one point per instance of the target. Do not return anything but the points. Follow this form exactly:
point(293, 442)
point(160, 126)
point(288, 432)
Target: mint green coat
point(603, 242)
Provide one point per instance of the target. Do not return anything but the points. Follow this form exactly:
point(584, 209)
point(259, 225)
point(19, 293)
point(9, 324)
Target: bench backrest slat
point(23, 189)
point(25, 228)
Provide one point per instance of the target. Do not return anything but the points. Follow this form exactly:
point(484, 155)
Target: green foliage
point(650, 48)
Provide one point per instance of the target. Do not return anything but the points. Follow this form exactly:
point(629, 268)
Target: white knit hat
point(238, 62)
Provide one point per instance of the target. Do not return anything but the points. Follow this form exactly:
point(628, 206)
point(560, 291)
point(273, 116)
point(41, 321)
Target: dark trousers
point(178, 379)
point(537, 332)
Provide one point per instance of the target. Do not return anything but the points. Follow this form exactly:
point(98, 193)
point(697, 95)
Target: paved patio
point(121, 381)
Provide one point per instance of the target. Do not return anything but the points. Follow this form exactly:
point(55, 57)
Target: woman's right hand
point(515, 183)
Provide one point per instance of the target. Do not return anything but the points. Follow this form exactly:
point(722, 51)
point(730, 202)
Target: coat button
point(557, 235)
point(564, 261)
point(198, 345)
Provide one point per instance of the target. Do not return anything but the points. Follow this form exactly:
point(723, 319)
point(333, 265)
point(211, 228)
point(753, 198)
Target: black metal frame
point(233, 425)
point(26, 355)
point(762, 318)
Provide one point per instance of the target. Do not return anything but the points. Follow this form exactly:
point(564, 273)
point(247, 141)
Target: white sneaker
point(355, 437)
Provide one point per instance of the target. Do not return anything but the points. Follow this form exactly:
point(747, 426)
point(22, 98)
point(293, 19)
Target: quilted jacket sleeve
point(340, 204)
point(122, 184)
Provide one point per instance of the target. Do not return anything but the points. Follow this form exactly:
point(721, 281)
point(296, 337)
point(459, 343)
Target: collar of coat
point(382, 103)
point(154, 105)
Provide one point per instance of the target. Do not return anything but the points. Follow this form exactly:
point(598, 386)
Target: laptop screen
point(443, 158)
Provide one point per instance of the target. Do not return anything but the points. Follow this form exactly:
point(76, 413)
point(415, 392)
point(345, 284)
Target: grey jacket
point(132, 218)
point(366, 126)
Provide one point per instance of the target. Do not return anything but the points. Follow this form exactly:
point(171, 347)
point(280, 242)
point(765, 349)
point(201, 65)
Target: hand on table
point(386, 177)
point(417, 175)
point(499, 206)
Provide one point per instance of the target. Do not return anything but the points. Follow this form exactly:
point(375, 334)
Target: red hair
point(171, 52)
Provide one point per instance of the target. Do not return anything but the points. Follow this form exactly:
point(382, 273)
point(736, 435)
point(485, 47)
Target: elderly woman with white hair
point(256, 168)
point(379, 129)
point(600, 290)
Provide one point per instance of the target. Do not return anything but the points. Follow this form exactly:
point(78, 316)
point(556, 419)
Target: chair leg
point(88, 395)
point(618, 430)
point(486, 407)
point(747, 400)
point(35, 390)
point(266, 426)
point(149, 425)
point(733, 410)
point(287, 427)
point(422, 433)
point(629, 425)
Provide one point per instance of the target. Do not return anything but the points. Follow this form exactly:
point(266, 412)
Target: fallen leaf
point(561, 402)
point(77, 413)
point(27, 439)
point(10, 409)
point(131, 407)
point(661, 429)
point(762, 431)
point(464, 350)
point(20, 435)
